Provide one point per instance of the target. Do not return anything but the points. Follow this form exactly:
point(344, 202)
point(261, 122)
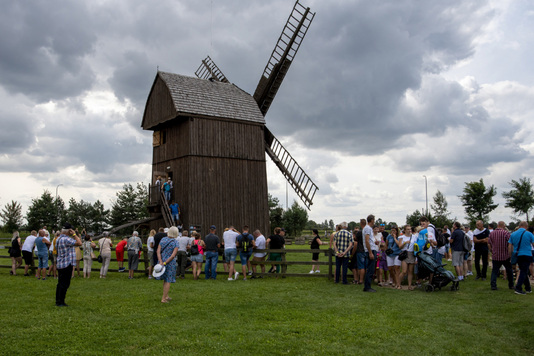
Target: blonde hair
point(173, 232)
point(152, 232)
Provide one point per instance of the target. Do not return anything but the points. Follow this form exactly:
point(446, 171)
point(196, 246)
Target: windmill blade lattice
point(208, 69)
point(295, 175)
point(282, 56)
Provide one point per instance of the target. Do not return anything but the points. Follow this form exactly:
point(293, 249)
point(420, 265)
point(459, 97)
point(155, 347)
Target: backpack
point(194, 249)
point(468, 244)
point(440, 237)
point(245, 243)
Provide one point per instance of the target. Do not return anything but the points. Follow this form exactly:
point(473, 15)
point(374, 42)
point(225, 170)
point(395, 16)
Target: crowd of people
point(387, 258)
point(372, 254)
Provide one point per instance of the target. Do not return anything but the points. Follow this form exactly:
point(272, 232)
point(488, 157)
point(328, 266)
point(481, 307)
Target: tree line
point(130, 205)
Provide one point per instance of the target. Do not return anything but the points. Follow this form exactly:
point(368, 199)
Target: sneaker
point(250, 273)
point(370, 290)
point(312, 271)
point(520, 292)
point(529, 291)
point(477, 278)
point(231, 279)
point(236, 275)
point(469, 273)
point(317, 271)
point(494, 288)
point(149, 277)
point(245, 278)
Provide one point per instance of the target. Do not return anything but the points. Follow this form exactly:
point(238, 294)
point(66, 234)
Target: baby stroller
point(426, 265)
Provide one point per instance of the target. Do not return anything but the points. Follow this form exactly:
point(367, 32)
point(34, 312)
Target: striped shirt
point(498, 239)
point(66, 255)
point(343, 239)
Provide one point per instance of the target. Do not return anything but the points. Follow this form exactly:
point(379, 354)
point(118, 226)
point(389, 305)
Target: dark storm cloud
point(353, 72)
point(43, 46)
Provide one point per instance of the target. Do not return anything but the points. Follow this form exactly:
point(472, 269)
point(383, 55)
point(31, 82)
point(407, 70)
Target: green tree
point(295, 219)
point(413, 218)
point(331, 224)
point(12, 216)
point(310, 225)
point(478, 201)
point(440, 209)
point(131, 205)
point(352, 225)
point(79, 214)
point(521, 198)
point(46, 211)
point(276, 212)
point(99, 217)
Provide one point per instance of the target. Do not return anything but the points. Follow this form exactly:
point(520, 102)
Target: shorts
point(120, 256)
point(468, 256)
point(43, 261)
point(259, 259)
point(383, 264)
point(197, 258)
point(393, 261)
point(244, 256)
point(457, 258)
point(360, 260)
point(28, 257)
point(150, 258)
point(315, 256)
point(79, 254)
point(411, 258)
point(230, 254)
point(352, 263)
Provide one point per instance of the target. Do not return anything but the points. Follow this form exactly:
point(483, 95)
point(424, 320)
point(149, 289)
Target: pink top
point(200, 248)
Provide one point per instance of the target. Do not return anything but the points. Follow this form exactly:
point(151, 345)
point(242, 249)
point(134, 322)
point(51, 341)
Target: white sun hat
point(158, 270)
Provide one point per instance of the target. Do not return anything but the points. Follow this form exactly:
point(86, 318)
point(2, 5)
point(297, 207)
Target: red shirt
point(120, 246)
point(498, 239)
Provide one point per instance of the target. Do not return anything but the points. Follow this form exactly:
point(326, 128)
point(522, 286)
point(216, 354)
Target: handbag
point(513, 259)
point(99, 259)
point(403, 255)
point(389, 251)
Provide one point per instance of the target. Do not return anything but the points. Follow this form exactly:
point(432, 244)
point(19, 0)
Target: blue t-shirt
point(42, 249)
point(174, 209)
point(166, 187)
point(526, 242)
point(393, 245)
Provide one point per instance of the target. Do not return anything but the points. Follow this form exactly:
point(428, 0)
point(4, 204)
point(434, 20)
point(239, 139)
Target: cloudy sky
point(380, 94)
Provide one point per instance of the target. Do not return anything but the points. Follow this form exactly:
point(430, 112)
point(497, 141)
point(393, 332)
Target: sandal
point(164, 301)
point(410, 288)
point(169, 298)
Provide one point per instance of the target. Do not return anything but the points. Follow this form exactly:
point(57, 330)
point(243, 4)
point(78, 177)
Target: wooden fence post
point(330, 264)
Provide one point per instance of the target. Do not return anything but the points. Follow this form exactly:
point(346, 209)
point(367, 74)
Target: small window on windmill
point(156, 139)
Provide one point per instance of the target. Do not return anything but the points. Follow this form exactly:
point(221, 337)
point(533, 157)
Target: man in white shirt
point(27, 251)
point(259, 256)
point(230, 251)
point(370, 248)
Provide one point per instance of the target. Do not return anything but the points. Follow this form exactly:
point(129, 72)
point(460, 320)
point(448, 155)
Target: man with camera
point(66, 259)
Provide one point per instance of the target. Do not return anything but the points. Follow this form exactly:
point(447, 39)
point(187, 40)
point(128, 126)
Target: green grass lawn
point(295, 315)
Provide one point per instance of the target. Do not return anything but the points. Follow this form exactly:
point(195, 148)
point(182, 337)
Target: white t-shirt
point(431, 236)
point(470, 234)
point(183, 242)
point(149, 241)
point(260, 245)
point(367, 230)
point(413, 240)
point(229, 238)
point(402, 239)
point(29, 243)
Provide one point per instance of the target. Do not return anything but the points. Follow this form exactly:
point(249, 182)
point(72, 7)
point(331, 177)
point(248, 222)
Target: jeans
point(495, 273)
point(481, 251)
point(523, 262)
point(370, 270)
point(341, 262)
point(437, 256)
point(210, 269)
point(167, 195)
point(63, 283)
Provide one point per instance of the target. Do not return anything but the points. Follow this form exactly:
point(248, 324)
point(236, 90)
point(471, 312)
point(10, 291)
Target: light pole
point(57, 205)
point(426, 196)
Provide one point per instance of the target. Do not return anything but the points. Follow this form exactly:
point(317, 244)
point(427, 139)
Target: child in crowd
point(382, 265)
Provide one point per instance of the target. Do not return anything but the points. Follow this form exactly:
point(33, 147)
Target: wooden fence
point(329, 253)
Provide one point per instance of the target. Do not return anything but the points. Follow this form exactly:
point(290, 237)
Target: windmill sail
point(282, 56)
point(295, 175)
point(208, 70)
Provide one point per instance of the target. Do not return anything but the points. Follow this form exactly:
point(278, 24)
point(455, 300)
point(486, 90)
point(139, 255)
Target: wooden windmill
point(210, 137)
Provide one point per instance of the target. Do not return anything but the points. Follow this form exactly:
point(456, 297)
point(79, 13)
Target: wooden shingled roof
point(174, 95)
